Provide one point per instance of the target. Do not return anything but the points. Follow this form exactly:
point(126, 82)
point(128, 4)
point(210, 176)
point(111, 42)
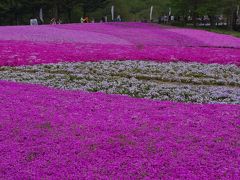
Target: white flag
point(41, 14)
point(151, 13)
point(112, 11)
point(170, 11)
point(237, 10)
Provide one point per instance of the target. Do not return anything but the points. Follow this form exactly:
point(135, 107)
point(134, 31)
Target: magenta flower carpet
point(66, 134)
point(47, 133)
point(122, 41)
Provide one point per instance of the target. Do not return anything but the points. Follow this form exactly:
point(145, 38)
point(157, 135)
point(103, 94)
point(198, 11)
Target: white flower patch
point(185, 82)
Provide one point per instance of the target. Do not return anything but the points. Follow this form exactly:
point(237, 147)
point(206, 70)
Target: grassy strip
point(223, 31)
point(220, 30)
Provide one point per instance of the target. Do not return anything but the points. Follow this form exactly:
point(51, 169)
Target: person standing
point(53, 21)
point(106, 19)
point(165, 19)
point(82, 20)
point(33, 22)
point(103, 19)
point(59, 21)
point(86, 19)
point(119, 18)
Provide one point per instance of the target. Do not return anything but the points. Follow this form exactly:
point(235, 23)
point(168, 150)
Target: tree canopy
point(20, 11)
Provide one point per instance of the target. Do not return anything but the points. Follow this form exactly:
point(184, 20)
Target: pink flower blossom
point(24, 45)
point(47, 133)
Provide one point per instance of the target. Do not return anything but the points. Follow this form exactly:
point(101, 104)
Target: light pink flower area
point(47, 133)
point(26, 45)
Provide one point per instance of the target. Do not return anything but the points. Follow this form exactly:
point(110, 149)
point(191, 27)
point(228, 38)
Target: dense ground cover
point(123, 41)
point(65, 134)
point(182, 82)
point(48, 133)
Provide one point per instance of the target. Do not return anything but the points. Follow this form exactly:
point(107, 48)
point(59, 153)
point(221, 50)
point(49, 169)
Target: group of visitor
point(86, 19)
point(103, 19)
point(165, 19)
point(56, 21)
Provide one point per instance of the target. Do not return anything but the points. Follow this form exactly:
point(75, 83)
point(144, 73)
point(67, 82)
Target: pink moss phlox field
point(26, 45)
point(47, 133)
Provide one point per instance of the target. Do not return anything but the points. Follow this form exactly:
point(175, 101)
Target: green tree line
point(197, 8)
point(13, 12)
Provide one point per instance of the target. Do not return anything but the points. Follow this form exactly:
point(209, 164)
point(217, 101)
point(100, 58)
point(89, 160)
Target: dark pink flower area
point(47, 133)
point(23, 45)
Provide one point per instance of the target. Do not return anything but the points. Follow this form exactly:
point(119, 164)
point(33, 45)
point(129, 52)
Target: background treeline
point(14, 12)
point(229, 9)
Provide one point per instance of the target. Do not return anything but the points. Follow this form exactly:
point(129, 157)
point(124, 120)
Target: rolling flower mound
point(57, 35)
point(26, 45)
point(72, 134)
